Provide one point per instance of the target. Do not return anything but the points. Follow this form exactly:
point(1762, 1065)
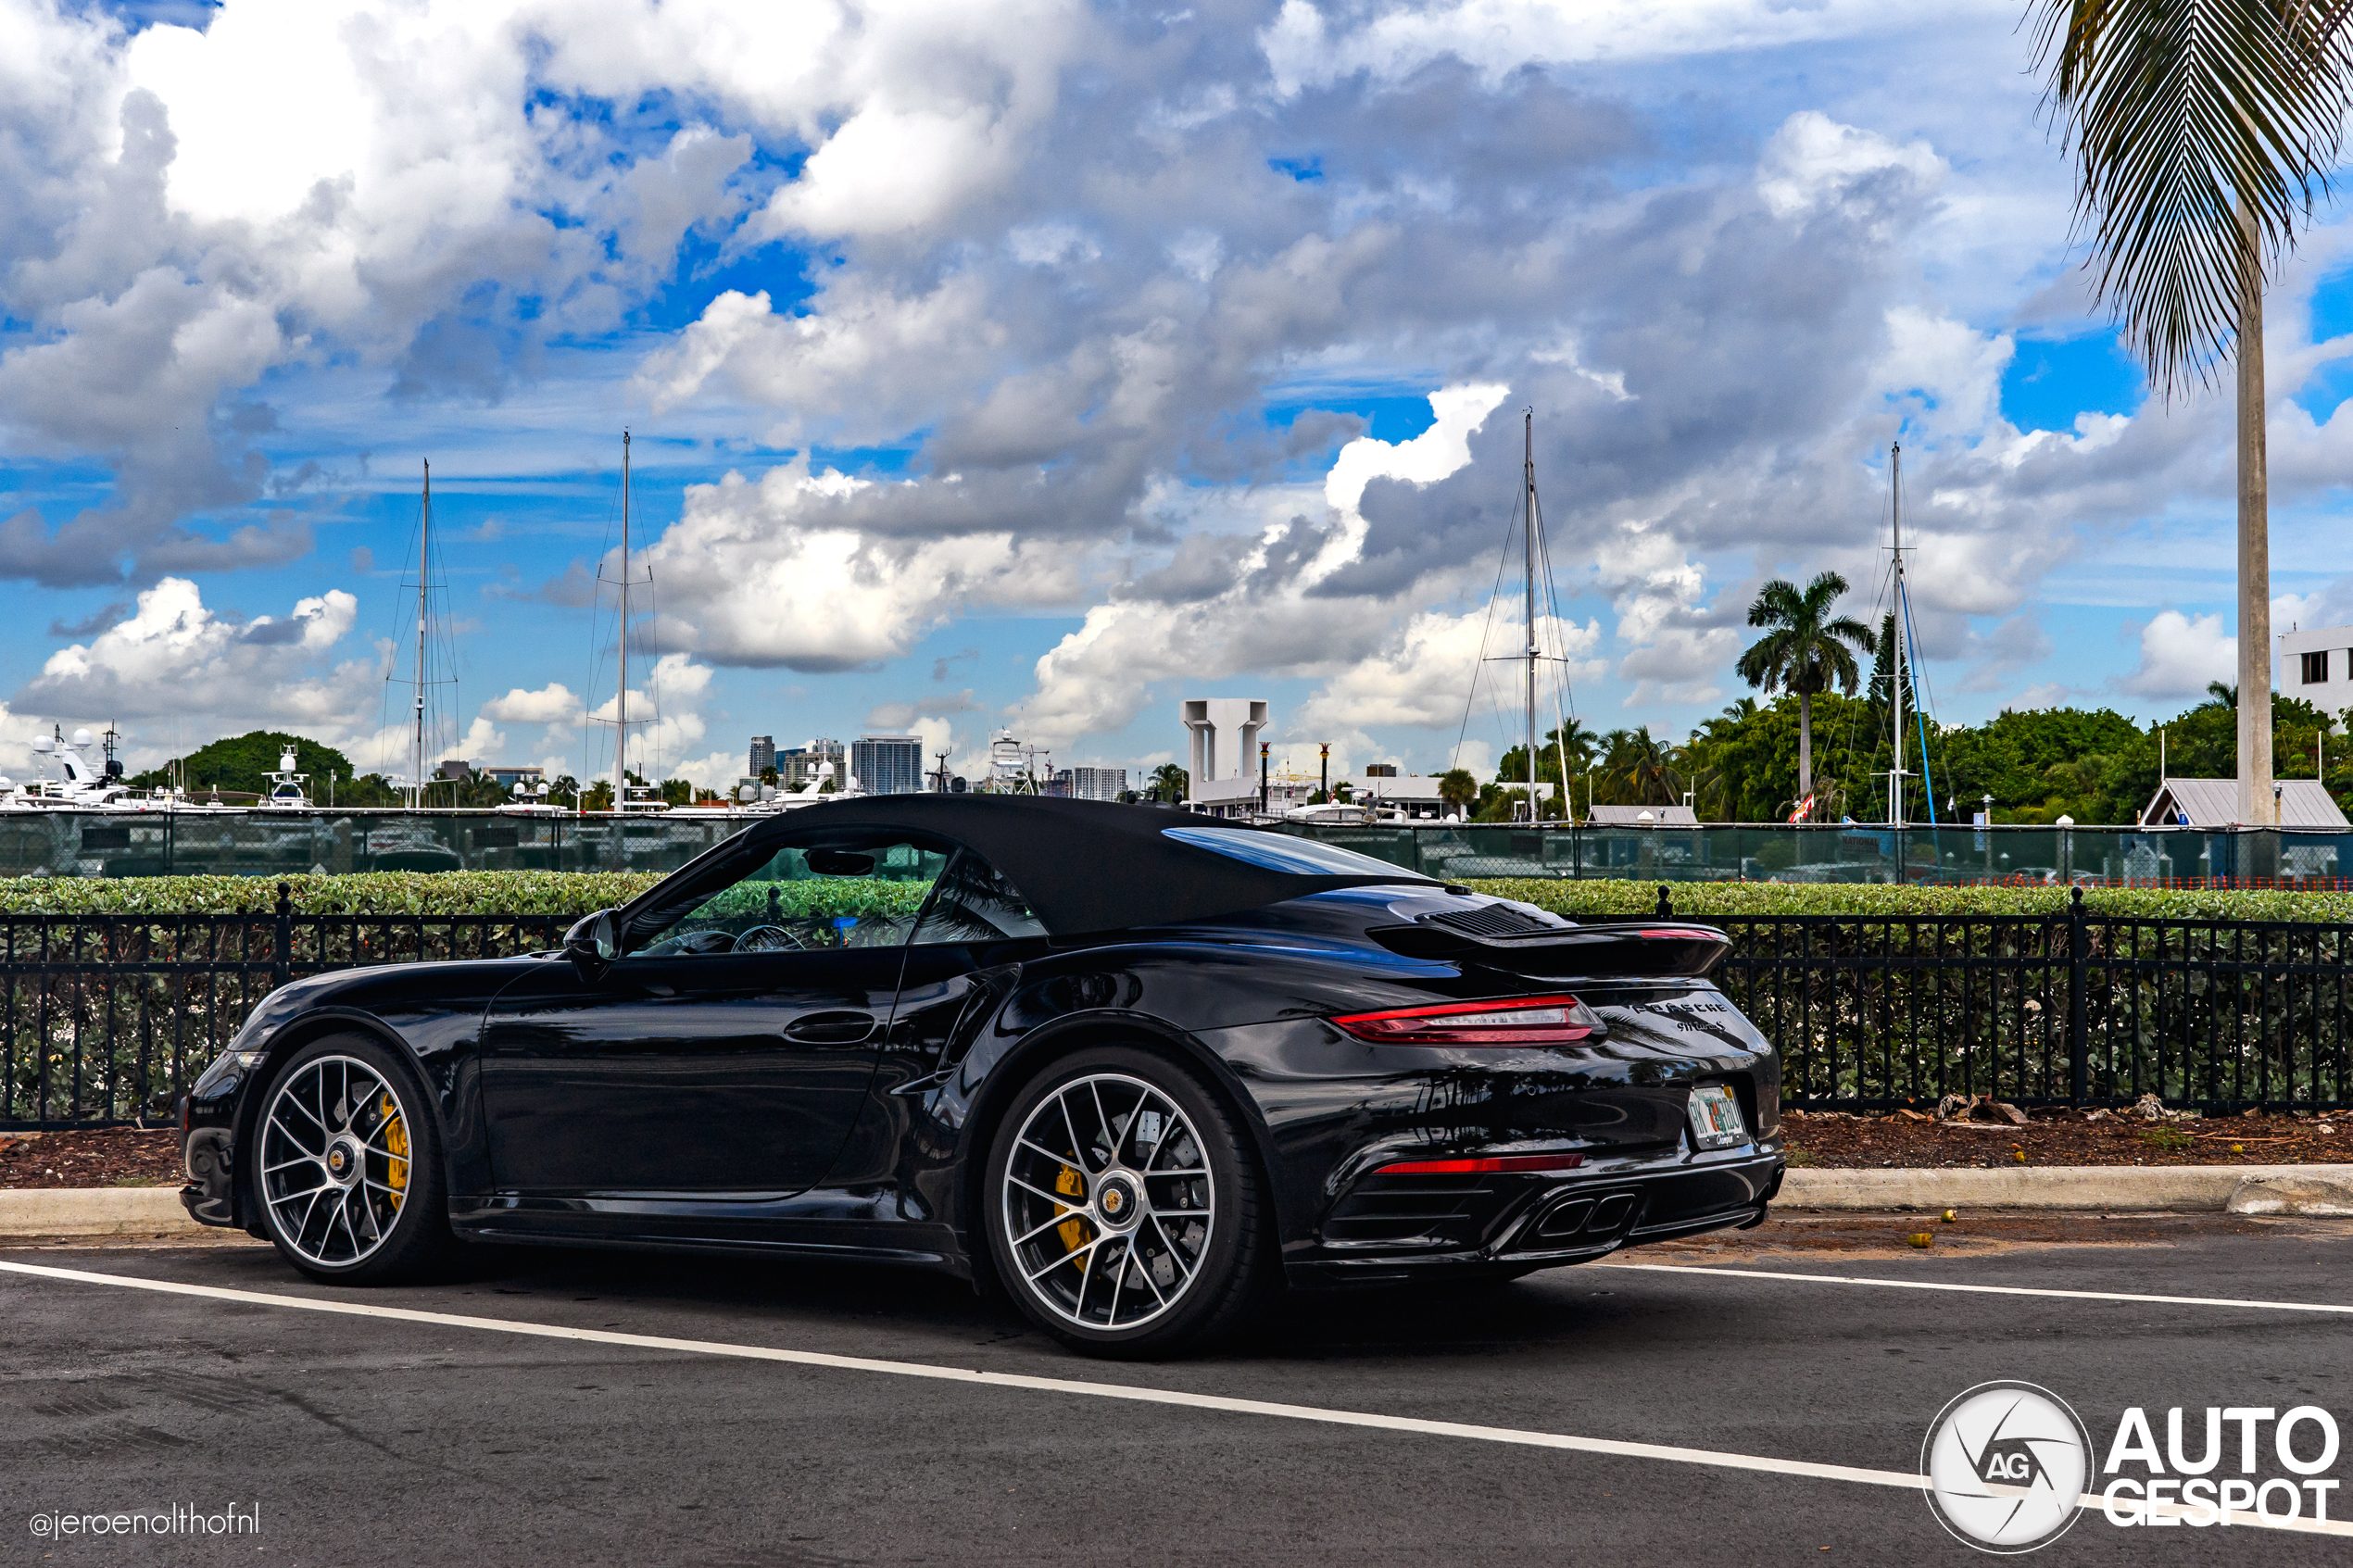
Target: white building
point(2214, 803)
point(2316, 667)
point(1098, 784)
point(1222, 734)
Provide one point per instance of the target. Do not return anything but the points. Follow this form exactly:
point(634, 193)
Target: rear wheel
point(1122, 1207)
point(347, 1162)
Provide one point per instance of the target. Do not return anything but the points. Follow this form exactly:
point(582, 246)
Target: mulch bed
point(2066, 1138)
point(105, 1157)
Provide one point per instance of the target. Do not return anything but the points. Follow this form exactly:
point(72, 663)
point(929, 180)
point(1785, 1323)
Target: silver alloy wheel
point(1108, 1202)
point(335, 1159)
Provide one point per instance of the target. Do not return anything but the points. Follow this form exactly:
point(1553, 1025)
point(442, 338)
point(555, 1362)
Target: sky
point(1032, 366)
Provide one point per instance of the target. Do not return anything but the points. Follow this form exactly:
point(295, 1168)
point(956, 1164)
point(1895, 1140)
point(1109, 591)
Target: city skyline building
point(763, 755)
point(887, 764)
point(798, 765)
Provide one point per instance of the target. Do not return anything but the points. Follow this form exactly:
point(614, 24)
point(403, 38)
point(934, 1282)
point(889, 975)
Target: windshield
point(1280, 852)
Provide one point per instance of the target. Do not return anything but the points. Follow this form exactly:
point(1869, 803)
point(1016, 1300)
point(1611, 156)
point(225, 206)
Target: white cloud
point(551, 704)
point(1423, 676)
point(1813, 161)
point(772, 572)
point(173, 665)
point(2179, 654)
point(1269, 619)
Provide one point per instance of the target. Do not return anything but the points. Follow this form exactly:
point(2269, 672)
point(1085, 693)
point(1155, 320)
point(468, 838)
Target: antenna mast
point(425, 579)
point(621, 693)
point(1903, 635)
point(1528, 503)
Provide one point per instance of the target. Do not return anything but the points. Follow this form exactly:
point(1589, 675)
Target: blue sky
point(1070, 360)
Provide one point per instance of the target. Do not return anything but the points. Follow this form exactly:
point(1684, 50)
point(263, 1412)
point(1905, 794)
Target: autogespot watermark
point(2009, 1467)
point(178, 1519)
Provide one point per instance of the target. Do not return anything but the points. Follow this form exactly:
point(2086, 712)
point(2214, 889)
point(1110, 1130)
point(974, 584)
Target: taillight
point(1677, 933)
point(1521, 1021)
point(1492, 1162)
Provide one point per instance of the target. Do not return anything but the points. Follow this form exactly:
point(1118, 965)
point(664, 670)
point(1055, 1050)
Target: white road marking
point(1096, 1391)
point(1719, 1273)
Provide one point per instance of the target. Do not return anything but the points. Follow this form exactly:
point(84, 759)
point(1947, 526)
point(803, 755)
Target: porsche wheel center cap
point(1116, 1200)
point(341, 1162)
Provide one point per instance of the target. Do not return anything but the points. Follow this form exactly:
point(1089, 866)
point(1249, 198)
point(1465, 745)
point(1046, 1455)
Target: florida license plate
point(1715, 1113)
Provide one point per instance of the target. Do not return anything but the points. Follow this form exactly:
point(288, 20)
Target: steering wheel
point(768, 939)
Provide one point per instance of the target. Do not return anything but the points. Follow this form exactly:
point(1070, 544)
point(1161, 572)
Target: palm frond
point(2203, 131)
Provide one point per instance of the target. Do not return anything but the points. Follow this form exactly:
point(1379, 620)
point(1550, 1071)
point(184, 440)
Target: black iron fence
point(105, 1018)
point(2072, 1007)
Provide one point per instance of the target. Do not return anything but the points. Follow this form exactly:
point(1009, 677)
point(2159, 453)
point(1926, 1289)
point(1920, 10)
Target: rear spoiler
point(1630, 948)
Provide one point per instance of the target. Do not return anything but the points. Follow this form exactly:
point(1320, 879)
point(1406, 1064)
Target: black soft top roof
point(1086, 866)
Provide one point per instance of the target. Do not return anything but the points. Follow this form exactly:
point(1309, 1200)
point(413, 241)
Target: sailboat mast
point(621, 697)
point(425, 577)
point(1528, 504)
point(1903, 631)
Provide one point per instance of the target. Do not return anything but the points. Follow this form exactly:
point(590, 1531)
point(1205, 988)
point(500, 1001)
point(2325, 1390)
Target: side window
point(976, 903)
point(848, 894)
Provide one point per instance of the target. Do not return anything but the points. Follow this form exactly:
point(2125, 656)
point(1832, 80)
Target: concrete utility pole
point(2259, 805)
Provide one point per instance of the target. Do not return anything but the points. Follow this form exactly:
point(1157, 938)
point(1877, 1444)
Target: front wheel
point(346, 1163)
point(1122, 1207)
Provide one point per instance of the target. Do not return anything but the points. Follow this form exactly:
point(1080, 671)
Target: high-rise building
point(1099, 784)
point(887, 764)
point(798, 765)
point(763, 755)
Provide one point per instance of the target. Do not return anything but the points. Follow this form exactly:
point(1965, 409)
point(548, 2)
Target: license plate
point(1715, 1114)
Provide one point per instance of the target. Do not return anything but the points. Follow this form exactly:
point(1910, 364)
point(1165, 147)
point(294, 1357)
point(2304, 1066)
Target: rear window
point(1280, 852)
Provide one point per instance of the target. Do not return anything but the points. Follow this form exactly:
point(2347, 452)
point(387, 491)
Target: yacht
point(285, 792)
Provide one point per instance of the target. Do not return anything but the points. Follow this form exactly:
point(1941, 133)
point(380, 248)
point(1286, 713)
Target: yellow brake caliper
point(1074, 1230)
point(397, 1145)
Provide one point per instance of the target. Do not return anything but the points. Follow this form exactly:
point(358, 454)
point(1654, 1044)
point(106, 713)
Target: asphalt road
point(392, 1443)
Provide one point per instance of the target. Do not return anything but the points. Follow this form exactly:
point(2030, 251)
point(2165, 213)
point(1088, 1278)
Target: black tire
point(346, 1165)
point(1179, 1291)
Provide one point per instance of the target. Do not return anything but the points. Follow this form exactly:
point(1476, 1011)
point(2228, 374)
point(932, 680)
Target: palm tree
point(1805, 652)
point(1643, 766)
point(2202, 130)
point(2221, 694)
point(1169, 782)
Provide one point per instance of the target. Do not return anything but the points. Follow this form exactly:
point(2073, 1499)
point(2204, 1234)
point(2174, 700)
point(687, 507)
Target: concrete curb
point(28, 1211)
point(2239, 1189)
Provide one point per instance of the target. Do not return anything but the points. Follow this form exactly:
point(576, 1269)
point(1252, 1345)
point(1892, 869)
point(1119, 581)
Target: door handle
point(830, 1028)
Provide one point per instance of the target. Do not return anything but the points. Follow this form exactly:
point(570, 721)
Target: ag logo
point(2006, 1464)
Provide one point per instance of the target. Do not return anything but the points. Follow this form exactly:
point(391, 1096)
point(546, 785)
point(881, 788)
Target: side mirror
point(592, 942)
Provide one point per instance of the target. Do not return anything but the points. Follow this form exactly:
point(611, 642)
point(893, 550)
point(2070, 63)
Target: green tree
point(2201, 130)
point(243, 762)
point(1640, 769)
point(1169, 782)
point(1458, 789)
point(1804, 652)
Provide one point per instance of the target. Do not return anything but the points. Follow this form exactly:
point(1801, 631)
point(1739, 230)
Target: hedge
point(576, 893)
point(1728, 900)
point(407, 893)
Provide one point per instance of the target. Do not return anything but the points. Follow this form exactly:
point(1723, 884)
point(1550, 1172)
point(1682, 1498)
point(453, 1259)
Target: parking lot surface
point(414, 1439)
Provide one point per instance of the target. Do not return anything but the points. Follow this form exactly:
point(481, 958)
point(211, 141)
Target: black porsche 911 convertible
point(1134, 1067)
